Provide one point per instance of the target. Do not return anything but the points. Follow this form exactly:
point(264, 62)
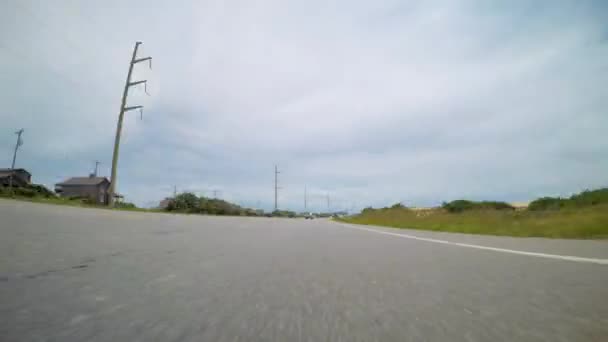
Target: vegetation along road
point(581, 216)
point(74, 274)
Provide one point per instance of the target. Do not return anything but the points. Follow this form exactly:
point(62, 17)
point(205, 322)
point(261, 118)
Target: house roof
point(7, 171)
point(84, 181)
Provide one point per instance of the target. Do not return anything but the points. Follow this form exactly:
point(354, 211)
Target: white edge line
point(495, 249)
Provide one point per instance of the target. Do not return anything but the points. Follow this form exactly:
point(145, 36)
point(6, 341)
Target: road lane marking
point(495, 249)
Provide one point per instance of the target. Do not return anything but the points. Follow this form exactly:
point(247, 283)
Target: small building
point(20, 177)
point(94, 188)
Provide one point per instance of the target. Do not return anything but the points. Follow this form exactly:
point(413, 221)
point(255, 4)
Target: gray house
point(92, 187)
point(20, 177)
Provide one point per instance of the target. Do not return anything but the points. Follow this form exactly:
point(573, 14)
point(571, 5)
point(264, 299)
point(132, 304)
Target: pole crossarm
point(131, 84)
point(143, 60)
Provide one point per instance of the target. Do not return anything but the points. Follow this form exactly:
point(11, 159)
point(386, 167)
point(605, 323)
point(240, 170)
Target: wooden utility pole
point(19, 143)
point(276, 187)
point(96, 165)
point(123, 109)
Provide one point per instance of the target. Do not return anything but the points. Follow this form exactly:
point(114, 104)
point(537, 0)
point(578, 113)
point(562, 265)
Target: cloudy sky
point(369, 102)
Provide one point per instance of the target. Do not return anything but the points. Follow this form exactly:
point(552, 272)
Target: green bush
point(496, 205)
point(584, 199)
point(186, 201)
point(24, 192)
point(459, 206)
point(590, 197)
point(29, 191)
point(189, 202)
point(125, 205)
point(547, 203)
point(41, 190)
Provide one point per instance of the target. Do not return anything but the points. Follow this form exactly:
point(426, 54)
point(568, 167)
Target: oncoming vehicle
point(309, 216)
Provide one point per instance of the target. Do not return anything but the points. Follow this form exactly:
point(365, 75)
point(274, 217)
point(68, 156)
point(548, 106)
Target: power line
point(123, 109)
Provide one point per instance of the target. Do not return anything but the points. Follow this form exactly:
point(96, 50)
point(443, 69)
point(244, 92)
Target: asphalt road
point(69, 274)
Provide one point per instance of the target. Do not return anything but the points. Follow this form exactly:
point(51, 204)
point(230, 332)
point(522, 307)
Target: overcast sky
point(371, 102)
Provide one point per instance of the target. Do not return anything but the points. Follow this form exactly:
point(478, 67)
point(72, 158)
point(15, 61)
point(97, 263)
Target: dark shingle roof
point(7, 171)
point(84, 181)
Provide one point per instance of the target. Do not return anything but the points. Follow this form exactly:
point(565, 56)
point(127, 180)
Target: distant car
point(309, 216)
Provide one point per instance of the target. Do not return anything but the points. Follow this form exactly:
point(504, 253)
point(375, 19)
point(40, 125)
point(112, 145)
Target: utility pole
point(328, 202)
point(96, 165)
point(276, 187)
point(19, 143)
point(174, 191)
point(215, 192)
point(123, 109)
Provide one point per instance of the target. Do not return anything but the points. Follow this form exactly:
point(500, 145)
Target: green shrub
point(459, 206)
point(41, 190)
point(584, 199)
point(125, 205)
point(590, 197)
point(190, 203)
point(547, 203)
point(496, 205)
point(186, 201)
point(24, 192)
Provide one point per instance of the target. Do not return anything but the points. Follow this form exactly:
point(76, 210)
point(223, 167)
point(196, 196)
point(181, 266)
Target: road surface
point(71, 274)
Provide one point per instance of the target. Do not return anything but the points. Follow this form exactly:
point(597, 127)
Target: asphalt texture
point(72, 274)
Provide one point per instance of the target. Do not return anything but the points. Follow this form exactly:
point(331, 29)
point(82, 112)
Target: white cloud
point(373, 102)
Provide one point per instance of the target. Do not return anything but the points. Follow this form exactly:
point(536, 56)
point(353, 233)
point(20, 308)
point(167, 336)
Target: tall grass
point(571, 222)
point(583, 215)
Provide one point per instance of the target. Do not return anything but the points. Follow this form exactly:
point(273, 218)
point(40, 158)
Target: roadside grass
point(74, 203)
point(575, 223)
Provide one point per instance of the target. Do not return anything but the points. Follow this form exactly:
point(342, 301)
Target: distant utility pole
point(276, 187)
point(305, 199)
point(123, 109)
point(96, 165)
point(174, 191)
point(328, 202)
point(215, 192)
point(19, 143)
